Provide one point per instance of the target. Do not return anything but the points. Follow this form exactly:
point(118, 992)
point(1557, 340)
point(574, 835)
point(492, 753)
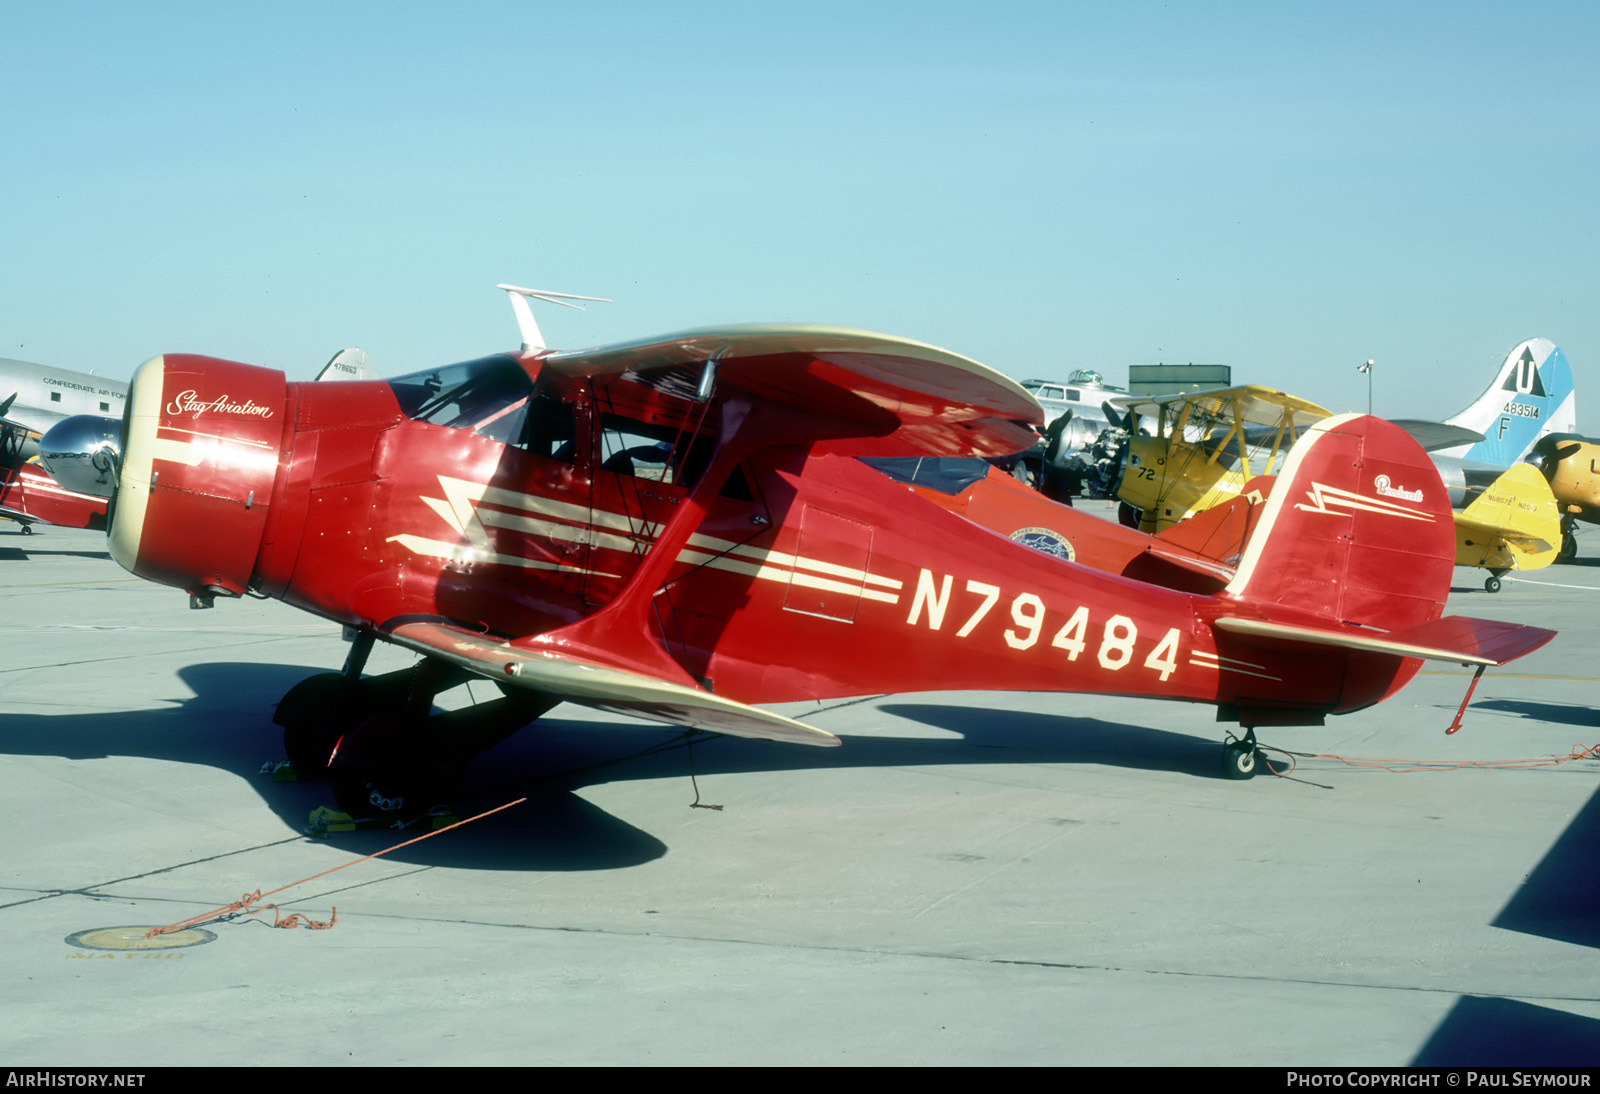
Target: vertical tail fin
point(348, 364)
point(1357, 529)
point(1531, 395)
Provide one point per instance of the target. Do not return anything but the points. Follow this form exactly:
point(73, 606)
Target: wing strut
point(620, 634)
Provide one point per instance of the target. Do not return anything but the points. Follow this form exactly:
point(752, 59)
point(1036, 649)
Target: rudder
point(1357, 530)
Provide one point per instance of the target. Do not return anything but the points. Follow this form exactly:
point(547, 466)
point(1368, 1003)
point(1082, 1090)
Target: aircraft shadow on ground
point(23, 554)
point(1561, 898)
point(227, 725)
point(1491, 1032)
point(1571, 714)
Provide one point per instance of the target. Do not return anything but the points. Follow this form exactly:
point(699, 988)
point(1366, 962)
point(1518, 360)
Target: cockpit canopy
point(492, 397)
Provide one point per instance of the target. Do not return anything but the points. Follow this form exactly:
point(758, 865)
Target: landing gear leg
point(1240, 757)
point(356, 660)
point(400, 761)
point(318, 711)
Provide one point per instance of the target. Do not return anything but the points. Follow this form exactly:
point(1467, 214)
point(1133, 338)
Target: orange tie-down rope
point(1406, 767)
point(244, 903)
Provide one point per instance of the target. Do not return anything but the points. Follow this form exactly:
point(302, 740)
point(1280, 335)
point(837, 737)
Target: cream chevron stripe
point(466, 509)
point(787, 576)
point(1206, 660)
point(461, 552)
point(780, 558)
point(1323, 495)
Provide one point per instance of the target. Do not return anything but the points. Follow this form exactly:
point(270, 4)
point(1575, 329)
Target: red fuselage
point(513, 513)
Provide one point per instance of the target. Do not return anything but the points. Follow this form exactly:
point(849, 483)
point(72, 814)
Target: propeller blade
point(1053, 434)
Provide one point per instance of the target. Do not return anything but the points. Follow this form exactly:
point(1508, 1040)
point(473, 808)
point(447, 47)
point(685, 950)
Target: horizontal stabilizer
point(1433, 436)
point(603, 687)
point(1457, 638)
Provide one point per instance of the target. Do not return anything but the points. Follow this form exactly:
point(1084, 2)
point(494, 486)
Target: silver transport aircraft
point(35, 397)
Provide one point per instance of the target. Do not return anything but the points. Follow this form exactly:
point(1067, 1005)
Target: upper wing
point(880, 395)
point(574, 679)
point(1249, 403)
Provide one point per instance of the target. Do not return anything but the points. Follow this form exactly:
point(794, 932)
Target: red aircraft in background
point(681, 527)
point(29, 496)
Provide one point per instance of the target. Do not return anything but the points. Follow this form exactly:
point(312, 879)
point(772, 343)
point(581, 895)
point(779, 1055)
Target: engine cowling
point(82, 453)
point(201, 447)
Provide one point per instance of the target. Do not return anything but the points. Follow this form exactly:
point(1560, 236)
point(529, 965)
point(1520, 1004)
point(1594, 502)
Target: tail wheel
point(1239, 759)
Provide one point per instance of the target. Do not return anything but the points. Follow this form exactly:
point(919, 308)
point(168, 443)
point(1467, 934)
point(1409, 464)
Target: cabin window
point(664, 454)
point(946, 474)
point(55, 396)
point(657, 452)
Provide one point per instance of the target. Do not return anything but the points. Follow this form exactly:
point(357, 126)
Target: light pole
point(1367, 368)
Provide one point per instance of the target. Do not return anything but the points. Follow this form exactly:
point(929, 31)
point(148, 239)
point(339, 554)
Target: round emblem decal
point(1047, 540)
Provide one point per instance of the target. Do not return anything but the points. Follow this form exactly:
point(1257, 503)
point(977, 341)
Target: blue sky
point(1285, 188)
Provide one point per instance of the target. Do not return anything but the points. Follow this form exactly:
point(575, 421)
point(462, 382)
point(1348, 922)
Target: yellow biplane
point(1187, 453)
point(1206, 446)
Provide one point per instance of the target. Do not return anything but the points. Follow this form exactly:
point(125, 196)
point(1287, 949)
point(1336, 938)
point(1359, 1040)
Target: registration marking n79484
point(1118, 634)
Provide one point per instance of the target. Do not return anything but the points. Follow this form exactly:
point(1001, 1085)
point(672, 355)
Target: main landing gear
point(1240, 757)
point(1569, 542)
point(376, 738)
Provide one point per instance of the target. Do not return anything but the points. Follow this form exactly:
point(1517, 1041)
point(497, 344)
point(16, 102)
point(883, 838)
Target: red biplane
point(681, 527)
point(29, 496)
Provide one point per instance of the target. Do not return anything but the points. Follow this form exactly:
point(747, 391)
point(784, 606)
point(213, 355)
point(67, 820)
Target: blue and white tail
point(1531, 395)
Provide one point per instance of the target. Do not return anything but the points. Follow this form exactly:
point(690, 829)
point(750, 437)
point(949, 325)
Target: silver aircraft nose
point(82, 452)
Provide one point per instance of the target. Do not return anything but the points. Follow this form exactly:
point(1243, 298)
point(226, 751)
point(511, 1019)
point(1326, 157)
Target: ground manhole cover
point(133, 938)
